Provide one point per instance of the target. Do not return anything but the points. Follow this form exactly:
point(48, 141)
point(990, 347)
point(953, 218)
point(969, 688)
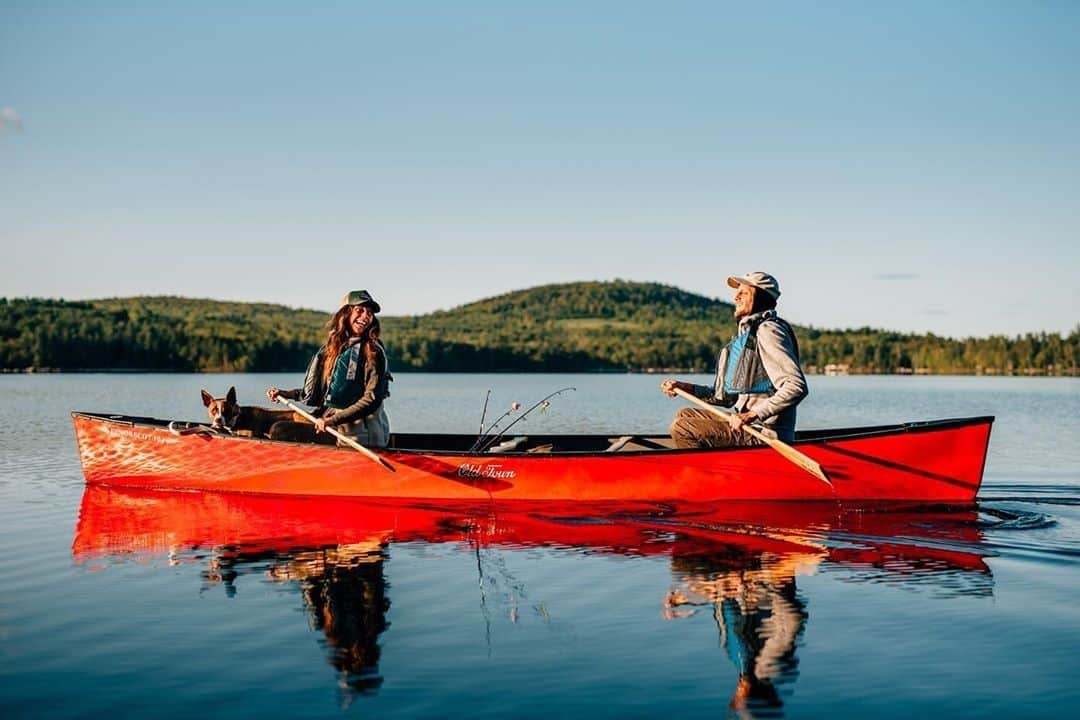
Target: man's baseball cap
point(759, 280)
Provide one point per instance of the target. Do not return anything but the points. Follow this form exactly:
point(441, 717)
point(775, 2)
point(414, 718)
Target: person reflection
point(758, 612)
point(344, 593)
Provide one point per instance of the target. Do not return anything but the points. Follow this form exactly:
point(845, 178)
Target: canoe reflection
point(738, 562)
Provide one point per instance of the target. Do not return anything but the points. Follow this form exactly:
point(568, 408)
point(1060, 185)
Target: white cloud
point(10, 120)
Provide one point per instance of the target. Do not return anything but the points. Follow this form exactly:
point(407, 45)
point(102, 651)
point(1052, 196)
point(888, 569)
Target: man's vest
point(744, 372)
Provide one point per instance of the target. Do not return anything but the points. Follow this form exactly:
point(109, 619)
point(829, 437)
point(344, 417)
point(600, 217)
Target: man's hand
point(737, 420)
point(272, 393)
point(670, 385)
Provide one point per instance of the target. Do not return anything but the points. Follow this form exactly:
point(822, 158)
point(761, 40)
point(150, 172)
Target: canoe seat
point(508, 445)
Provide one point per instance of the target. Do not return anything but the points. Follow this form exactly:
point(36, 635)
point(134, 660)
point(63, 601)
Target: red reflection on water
point(119, 522)
point(738, 561)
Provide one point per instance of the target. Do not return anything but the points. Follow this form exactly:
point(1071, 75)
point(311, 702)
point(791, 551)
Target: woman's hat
point(360, 297)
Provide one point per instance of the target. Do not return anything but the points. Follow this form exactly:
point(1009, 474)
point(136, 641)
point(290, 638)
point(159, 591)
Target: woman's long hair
point(338, 336)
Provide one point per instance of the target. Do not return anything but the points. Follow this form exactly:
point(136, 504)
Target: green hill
point(155, 333)
point(586, 326)
point(583, 326)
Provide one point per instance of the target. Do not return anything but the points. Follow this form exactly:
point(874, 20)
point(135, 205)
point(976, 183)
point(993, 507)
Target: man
point(758, 374)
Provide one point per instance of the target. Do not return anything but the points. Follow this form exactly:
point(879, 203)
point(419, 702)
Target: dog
point(226, 414)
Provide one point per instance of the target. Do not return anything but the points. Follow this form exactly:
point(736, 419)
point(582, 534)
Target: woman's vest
point(744, 372)
point(347, 379)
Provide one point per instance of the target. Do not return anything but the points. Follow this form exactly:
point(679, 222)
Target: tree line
point(614, 326)
point(158, 333)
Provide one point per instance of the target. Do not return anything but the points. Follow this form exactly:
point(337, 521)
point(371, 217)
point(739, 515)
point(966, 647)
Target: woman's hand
point(322, 423)
point(272, 393)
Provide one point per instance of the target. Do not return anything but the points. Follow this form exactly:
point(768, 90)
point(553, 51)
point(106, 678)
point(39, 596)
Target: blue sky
point(913, 166)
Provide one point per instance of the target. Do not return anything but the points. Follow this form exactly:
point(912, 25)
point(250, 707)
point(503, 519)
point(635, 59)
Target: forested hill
point(155, 333)
point(570, 327)
point(584, 326)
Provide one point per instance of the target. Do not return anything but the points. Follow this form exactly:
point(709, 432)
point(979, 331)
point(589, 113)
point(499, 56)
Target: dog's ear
point(207, 398)
point(230, 397)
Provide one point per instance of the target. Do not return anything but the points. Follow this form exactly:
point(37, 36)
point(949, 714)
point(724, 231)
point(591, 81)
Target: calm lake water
point(163, 605)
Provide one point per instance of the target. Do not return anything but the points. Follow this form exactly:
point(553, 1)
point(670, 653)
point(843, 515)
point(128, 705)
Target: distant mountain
point(590, 326)
point(583, 326)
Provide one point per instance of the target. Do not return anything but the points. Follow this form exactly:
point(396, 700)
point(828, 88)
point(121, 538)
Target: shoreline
point(1028, 373)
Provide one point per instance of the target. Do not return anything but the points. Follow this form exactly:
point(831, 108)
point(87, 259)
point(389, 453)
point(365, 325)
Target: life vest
point(744, 372)
point(347, 379)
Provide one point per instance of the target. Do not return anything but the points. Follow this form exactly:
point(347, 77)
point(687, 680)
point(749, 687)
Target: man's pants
point(696, 428)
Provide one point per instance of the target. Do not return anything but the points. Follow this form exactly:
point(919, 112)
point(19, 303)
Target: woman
point(347, 380)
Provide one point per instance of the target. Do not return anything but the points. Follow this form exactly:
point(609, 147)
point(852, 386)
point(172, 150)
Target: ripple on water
point(999, 519)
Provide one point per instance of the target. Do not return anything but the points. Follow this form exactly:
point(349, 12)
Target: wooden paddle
point(790, 453)
point(340, 436)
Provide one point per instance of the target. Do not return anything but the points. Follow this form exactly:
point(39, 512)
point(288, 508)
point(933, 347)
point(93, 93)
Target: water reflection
point(738, 563)
point(344, 593)
point(758, 611)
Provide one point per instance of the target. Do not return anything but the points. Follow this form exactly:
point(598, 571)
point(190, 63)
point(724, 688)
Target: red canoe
point(940, 460)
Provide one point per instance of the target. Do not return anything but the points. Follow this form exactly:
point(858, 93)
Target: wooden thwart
point(619, 443)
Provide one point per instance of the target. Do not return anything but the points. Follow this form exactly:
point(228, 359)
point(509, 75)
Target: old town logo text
point(485, 471)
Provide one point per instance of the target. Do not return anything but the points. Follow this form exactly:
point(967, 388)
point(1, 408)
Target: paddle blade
point(803, 461)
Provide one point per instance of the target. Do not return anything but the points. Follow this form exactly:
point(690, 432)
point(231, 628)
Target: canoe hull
point(938, 461)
